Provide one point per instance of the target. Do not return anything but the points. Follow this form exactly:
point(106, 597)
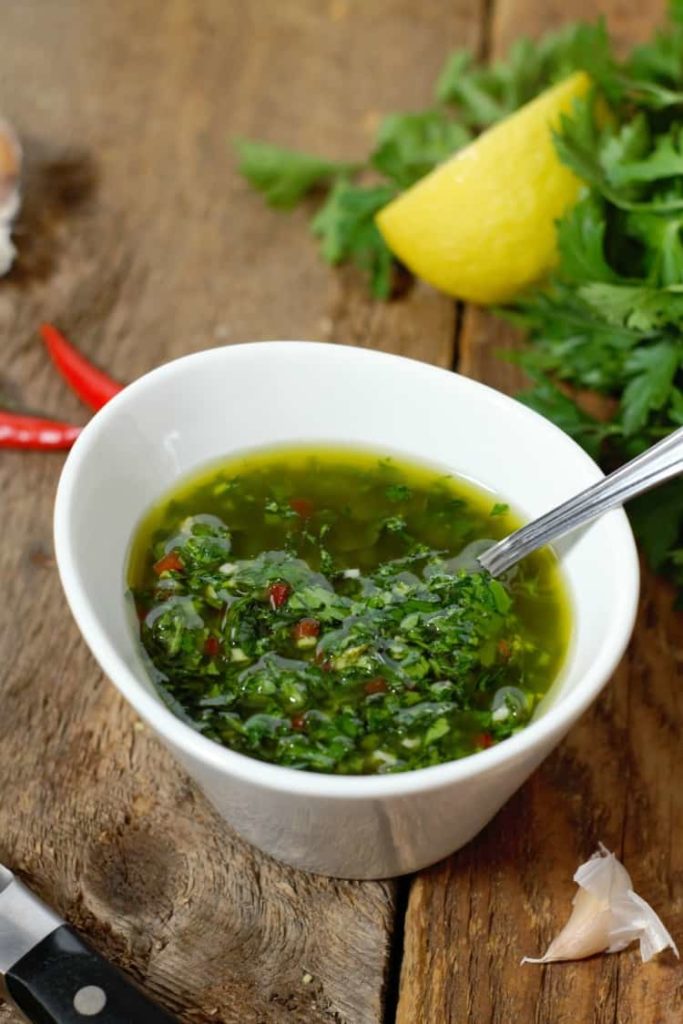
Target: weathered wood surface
point(617, 778)
point(138, 238)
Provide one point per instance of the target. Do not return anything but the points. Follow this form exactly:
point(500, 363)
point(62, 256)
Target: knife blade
point(53, 976)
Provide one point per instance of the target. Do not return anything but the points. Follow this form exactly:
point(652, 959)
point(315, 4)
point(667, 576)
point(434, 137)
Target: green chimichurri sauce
point(303, 607)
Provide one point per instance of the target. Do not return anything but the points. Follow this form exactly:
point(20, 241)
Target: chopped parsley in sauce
point(306, 607)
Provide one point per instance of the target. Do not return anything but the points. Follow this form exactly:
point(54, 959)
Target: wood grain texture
point(615, 779)
point(140, 240)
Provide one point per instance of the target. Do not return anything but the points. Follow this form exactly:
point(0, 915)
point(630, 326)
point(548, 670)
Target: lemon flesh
point(482, 225)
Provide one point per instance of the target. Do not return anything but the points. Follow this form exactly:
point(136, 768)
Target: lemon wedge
point(482, 225)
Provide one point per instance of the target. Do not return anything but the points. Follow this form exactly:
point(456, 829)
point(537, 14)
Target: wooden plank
point(471, 918)
point(138, 237)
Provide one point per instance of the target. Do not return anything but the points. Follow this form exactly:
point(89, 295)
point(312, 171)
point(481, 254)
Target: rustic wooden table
point(140, 240)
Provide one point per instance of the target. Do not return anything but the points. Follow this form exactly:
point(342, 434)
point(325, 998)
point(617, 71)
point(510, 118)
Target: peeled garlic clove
point(607, 916)
point(585, 933)
point(10, 168)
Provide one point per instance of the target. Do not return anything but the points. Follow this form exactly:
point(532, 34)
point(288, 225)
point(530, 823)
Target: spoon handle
point(654, 466)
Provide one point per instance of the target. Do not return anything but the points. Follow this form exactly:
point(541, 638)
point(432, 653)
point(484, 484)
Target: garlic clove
point(607, 916)
point(603, 875)
point(585, 933)
point(10, 168)
point(633, 918)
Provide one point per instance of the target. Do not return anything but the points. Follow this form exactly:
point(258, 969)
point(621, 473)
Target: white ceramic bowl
point(226, 400)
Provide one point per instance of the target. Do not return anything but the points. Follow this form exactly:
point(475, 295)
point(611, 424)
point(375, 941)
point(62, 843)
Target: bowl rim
point(545, 730)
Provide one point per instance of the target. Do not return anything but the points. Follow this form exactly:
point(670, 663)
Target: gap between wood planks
point(403, 885)
point(457, 332)
point(392, 992)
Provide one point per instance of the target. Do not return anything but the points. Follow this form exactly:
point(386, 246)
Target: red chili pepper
point(324, 662)
point(377, 685)
point(302, 506)
point(91, 385)
point(212, 646)
point(484, 740)
point(17, 431)
point(306, 628)
point(169, 563)
point(278, 594)
point(504, 649)
point(298, 722)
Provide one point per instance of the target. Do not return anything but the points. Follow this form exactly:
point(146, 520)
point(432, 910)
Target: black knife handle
point(62, 980)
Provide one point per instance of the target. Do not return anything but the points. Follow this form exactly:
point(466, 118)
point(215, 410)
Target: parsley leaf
point(605, 159)
point(284, 176)
point(662, 245)
point(571, 340)
point(410, 145)
point(651, 372)
point(548, 400)
point(398, 492)
point(579, 141)
point(665, 160)
point(394, 524)
point(638, 306)
point(347, 230)
point(485, 95)
point(657, 518)
point(656, 67)
point(675, 409)
point(581, 242)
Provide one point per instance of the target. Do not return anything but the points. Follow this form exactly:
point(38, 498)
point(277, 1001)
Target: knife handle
point(63, 980)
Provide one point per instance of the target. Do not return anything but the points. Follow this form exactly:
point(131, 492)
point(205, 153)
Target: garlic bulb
point(10, 166)
point(607, 916)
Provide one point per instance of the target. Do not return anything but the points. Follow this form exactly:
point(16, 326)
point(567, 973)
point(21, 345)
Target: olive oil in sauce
point(302, 606)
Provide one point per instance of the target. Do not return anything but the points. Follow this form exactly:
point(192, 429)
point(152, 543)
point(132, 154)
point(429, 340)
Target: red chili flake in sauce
point(484, 740)
point(302, 506)
point(278, 594)
point(504, 648)
point(169, 563)
point(323, 661)
point(306, 628)
point(377, 685)
point(298, 722)
point(212, 646)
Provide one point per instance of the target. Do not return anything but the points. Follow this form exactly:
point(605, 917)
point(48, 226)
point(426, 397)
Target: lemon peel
point(481, 226)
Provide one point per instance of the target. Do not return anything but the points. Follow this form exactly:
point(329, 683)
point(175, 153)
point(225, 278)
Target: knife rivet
point(90, 1000)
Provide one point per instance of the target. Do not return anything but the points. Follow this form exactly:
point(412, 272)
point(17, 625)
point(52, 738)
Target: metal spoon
point(659, 463)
